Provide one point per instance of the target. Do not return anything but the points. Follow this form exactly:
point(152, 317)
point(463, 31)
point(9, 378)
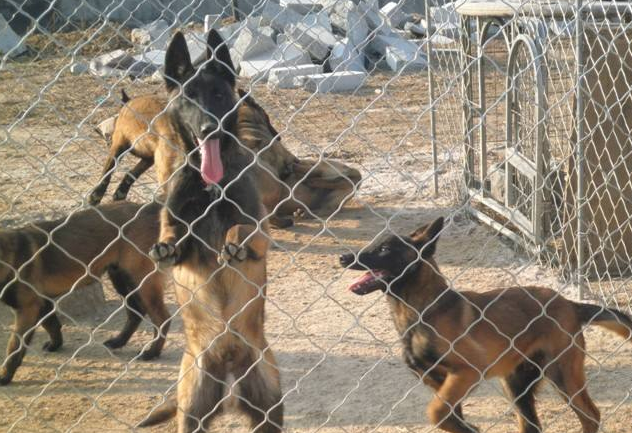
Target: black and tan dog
point(45, 260)
point(454, 340)
point(210, 231)
point(288, 185)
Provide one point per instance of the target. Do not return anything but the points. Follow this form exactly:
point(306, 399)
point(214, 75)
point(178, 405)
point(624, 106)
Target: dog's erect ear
point(125, 97)
point(178, 67)
point(426, 237)
point(221, 63)
point(247, 99)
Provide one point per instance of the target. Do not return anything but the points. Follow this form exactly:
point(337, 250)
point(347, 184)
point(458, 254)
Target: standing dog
point(211, 232)
point(45, 260)
point(456, 339)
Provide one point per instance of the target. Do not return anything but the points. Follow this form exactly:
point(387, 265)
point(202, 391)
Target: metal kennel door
point(526, 150)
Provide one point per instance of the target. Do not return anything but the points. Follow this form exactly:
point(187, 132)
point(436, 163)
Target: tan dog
point(296, 186)
point(288, 186)
point(454, 340)
point(211, 231)
point(87, 241)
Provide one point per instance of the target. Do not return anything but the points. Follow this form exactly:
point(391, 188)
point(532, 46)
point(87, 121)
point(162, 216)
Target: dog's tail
point(164, 412)
point(611, 319)
point(125, 97)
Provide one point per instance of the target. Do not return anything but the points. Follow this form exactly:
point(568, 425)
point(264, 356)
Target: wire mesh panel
point(236, 216)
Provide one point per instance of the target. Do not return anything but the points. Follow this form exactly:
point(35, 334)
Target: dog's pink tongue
point(211, 168)
point(365, 278)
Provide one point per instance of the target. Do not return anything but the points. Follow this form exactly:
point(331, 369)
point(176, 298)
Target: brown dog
point(211, 231)
point(288, 186)
point(82, 247)
point(454, 340)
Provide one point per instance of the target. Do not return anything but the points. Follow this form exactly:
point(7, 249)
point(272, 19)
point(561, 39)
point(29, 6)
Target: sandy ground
point(338, 353)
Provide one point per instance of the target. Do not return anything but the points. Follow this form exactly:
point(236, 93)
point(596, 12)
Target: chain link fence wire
point(361, 119)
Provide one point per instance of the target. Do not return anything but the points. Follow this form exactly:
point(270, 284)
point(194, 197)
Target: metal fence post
point(579, 150)
point(433, 128)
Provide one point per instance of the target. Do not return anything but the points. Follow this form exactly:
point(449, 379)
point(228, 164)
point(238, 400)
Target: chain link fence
point(358, 120)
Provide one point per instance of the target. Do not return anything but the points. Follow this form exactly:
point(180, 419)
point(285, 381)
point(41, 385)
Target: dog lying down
point(289, 186)
point(454, 340)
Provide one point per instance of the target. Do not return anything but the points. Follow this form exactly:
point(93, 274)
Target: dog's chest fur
point(423, 348)
point(210, 216)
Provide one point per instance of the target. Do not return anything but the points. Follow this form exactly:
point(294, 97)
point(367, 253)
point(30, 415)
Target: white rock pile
point(318, 45)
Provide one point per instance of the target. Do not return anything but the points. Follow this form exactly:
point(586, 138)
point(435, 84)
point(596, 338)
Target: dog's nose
point(347, 259)
point(207, 129)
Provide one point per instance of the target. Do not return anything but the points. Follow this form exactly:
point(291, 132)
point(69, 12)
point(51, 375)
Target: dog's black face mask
point(202, 99)
point(390, 258)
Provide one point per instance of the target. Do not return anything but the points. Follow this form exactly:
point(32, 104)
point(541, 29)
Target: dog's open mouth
point(211, 168)
point(369, 282)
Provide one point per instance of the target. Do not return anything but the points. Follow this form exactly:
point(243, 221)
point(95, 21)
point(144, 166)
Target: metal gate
point(508, 179)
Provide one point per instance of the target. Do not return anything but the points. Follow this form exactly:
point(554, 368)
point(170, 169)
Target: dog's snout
point(347, 259)
point(207, 129)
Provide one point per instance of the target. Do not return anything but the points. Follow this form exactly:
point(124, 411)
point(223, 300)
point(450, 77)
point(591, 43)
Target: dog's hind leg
point(25, 320)
point(52, 325)
point(567, 374)
point(124, 286)
point(521, 387)
point(151, 293)
point(260, 395)
point(200, 391)
point(132, 176)
point(119, 145)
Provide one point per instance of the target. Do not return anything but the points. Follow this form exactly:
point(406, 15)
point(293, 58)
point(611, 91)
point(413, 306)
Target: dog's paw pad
point(163, 252)
point(232, 252)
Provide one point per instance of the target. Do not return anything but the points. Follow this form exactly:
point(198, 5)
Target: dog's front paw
point(5, 377)
point(52, 346)
point(114, 343)
point(119, 195)
point(281, 222)
point(95, 198)
point(232, 252)
point(164, 252)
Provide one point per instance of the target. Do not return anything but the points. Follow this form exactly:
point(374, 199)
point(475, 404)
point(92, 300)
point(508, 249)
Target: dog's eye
point(385, 249)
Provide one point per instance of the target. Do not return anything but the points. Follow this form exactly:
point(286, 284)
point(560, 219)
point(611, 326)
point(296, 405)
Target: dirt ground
point(339, 355)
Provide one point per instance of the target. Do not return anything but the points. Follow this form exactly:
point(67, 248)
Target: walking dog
point(210, 232)
point(298, 187)
point(45, 260)
point(455, 339)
